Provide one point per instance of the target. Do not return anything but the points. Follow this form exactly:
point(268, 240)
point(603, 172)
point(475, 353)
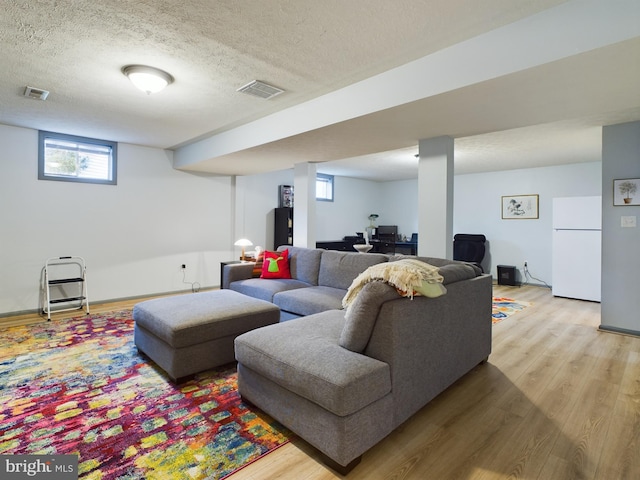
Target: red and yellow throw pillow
point(276, 265)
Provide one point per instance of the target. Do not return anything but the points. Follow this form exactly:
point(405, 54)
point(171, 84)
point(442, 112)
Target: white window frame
point(81, 144)
point(327, 180)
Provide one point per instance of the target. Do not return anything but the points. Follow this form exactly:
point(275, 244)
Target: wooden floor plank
point(620, 457)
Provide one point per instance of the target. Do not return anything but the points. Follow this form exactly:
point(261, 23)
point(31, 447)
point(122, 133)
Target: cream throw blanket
point(407, 275)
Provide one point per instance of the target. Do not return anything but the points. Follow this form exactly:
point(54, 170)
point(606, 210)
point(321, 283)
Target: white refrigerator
point(577, 247)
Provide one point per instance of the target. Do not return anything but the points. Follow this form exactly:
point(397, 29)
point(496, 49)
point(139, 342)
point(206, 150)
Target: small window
point(69, 158)
point(324, 187)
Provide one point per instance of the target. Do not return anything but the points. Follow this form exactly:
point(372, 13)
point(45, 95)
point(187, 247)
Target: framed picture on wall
point(285, 196)
point(626, 191)
point(519, 207)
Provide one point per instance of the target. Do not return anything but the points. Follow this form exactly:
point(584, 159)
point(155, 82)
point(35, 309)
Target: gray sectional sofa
point(344, 379)
point(325, 276)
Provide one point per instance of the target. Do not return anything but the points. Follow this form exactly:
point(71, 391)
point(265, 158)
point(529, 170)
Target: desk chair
point(469, 248)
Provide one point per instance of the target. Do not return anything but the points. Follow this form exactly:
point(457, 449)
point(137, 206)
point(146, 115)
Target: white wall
point(477, 209)
point(477, 204)
point(256, 199)
point(134, 236)
point(354, 201)
point(399, 205)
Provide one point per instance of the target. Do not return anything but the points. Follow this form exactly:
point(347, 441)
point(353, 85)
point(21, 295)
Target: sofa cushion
point(304, 263)
point(454, 272)
point(310, 300)
point(276, 265)
point(360, 317)
point(457, 272)
point(339, 269)
point(303, 356)
point(264, 289)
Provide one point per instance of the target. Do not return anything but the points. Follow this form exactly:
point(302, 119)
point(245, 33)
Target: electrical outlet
point(183, 266)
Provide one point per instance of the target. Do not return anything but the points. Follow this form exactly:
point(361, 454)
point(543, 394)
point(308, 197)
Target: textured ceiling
point(76, 49)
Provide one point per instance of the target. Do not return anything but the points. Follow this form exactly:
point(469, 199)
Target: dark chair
point(469, 248)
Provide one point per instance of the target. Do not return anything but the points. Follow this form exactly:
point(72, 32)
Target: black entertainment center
point(385, 240)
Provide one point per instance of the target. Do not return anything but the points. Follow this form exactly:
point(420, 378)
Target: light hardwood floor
point(557, 400)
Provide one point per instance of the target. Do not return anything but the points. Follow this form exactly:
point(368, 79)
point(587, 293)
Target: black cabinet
point(283, 228)
point(344, 245)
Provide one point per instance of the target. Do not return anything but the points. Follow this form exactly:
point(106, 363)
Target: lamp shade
point(148, 79)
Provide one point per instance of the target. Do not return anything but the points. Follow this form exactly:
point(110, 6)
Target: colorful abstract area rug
point(79, 386)
point(504, 307)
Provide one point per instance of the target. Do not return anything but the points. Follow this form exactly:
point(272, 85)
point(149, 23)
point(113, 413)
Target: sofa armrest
point(431, 342)
point(236, 271)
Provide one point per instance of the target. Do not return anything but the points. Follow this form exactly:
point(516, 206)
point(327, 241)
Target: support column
point(620, 236)
point(238, 211)
point(304, 205)
point(435, 197)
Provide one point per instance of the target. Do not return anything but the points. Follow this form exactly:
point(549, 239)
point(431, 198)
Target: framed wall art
point(519, 207)
point(626, 191)
point(285, 194)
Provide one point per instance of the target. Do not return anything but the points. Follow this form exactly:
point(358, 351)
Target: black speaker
point(507, 275)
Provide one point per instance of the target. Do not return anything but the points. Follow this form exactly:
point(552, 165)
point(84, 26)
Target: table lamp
point(243, 242)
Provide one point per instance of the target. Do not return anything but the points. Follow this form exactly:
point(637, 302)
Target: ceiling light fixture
point(148, 79)
point(35, 93)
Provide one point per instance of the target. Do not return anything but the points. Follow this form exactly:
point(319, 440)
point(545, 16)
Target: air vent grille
point(260, 89)
point(35, 93)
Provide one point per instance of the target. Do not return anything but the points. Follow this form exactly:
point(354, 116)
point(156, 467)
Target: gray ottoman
point(187, 334)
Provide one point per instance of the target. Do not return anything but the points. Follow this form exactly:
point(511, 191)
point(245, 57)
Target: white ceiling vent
point(35, 93)
point(260, 89)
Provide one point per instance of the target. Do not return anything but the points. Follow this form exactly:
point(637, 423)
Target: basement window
point(324, 187)
point(68, 158)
